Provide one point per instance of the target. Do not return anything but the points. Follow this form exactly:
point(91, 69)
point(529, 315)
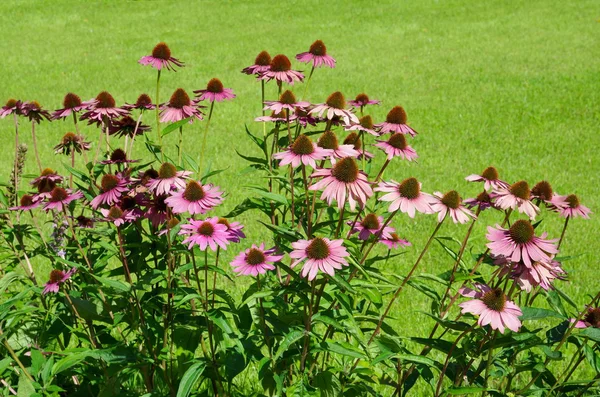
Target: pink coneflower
point(302, 151)
point(335, 106)
point(57, 277)
point(157, 210)
point(320, 254)
point(168, 179)
point(47, 176)
point(590, 319)
point(127, 126)
point(365, 124)
point(11, 106)
point(394, 241)
point(317, 54)
point(281, 71)
point(206, 233)
point(329, 142)
point(451, 203)
point(71, 104)
point(117, 216)
point(492, 307)
point(170, 225)
point(112, 187)
point(543, 192)
point(286, 101)
point(275, 118)
point(104, 108)
point(60, 198)
point(34, 112)
point(395, 121)
point(71, 142)
point(490, 178)
point(517, 196)
point(161, 58)
point(539, 273)
point(84, 222)
point(26, 203)
point(371, 224)
point(131, 204)
point(262, 64)
point(354, 139)
point(234, 230)
point(195, 198)
point(396, 146)
point(144, 102)
point(570, 207)
point(255, 260)
point(519, 243)
point(363, 100)
point(118, 156)
point(178, 108)
point(483, 201)
point(44, 189)
point(304, 118)
point(341, 181)
point(215, 92)
point(406, 196)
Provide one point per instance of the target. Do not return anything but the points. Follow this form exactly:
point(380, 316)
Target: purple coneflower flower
point(317, 54)
point(206, 233)
point(354, 139)
point(143, 103)
point(276, 118)
point(483, 201)
point(451, 203)
point(60, 198)
point(34, 112)
point(335, 106)
point(127, 126)
point(71, 142)
point(341, 181)
point(304, 151)
point(406, 197)
point(234, 230)
point(57, 277)
point(304, 118)
point(517, 196)
point(396, 146)
point(590, 319)
point(84, 222)
point(195, 198)
point(157, 210)
point(539, 273)
point(490, 178)
point(371, 224)
point(161, 58)
point(542, 192)
point(215, 92)
point(11, 106)
point(71, 104)
point(47, 176)
point(117, 216)
point(365, 124)
point(112, 186)
point(281, 71)
point(255, 260)
point(492, 307)
point(320, 254)
point(286, 101)
point(104, 108)
point(395, 121)
point(394, 241)
point(570, 207)
point(26, 203)
point(329, 141)
point(262, 63)
point(178, 108)
point(168, 179)
point(519, 243)
point(118, 156)
point(362, 100)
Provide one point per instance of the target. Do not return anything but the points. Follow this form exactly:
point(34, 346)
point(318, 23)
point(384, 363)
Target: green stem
point(212, 105)
point(35, 149)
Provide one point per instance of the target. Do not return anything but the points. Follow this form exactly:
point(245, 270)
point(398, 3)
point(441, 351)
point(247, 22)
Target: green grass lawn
point(485, 83)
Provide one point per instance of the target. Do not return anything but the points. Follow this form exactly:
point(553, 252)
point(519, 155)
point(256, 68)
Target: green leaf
point(189, 379)
point(345, 349)
point(114, 284)
point(592, 333)
point(535, 313)
point(9, 278)
point(271, 196)
point(252, 159)
point(257, 295)
point(289, 339)
point(172, 127)
point(25, 387)
point(465, 390)
point(420, 360)
point(68, 361)
point(219, 319)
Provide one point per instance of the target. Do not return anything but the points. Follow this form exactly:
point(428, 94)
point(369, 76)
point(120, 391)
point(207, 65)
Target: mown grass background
point(512, 84)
